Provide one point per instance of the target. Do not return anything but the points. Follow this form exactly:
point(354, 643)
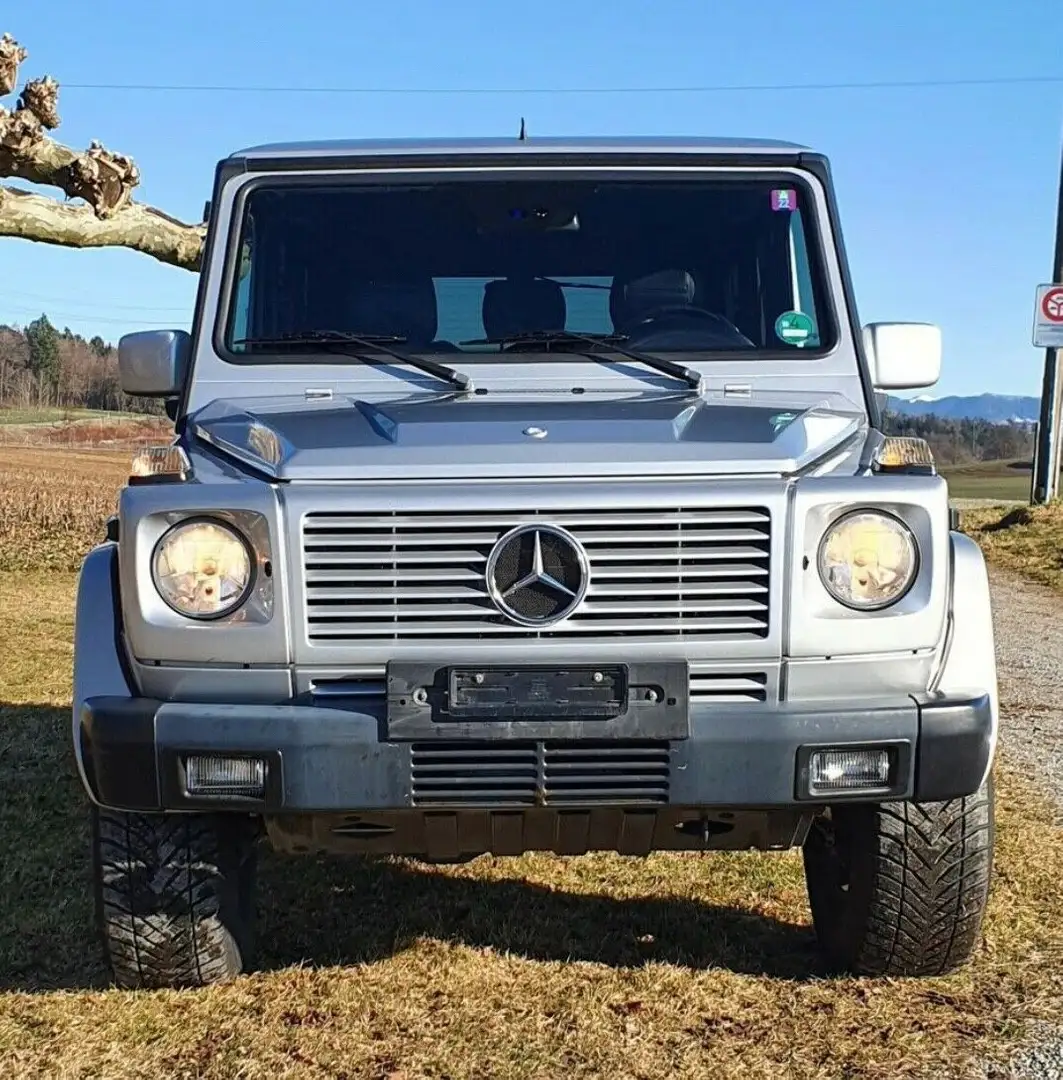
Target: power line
point(479, 91)
point(80, 316)
point(19, 300)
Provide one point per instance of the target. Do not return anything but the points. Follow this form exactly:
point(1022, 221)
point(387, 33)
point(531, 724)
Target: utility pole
point(1046, 460)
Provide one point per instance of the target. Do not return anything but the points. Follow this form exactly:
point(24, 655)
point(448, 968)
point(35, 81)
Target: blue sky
point(947, 194)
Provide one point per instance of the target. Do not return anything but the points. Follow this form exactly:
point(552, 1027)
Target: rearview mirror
point(153, 363)
point(903, 356)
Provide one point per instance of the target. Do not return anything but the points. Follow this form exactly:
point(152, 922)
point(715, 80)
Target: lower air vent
point(728, 687)
point(583, 774)
point(540, 774)
point(474, 774)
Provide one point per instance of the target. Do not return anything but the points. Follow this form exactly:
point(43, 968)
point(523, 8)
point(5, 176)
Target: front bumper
point(326, 759)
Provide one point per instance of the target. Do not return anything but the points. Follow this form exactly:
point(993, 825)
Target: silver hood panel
point(426, 437)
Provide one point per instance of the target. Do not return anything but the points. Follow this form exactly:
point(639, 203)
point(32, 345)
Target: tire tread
point(168, 897)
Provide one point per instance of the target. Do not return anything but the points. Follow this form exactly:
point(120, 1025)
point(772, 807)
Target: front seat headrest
point(520, 306)
point(640, 298)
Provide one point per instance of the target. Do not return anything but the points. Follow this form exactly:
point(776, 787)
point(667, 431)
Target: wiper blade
point(606, 341)
point(347, 343)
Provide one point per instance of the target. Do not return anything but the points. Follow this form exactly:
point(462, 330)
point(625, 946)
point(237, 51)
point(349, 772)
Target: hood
point(529, 436)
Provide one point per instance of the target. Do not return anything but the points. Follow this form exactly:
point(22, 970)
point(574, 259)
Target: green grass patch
point(1004, 480)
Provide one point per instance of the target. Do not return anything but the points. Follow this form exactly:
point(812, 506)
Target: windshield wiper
point(358, 345)
point(611, 342)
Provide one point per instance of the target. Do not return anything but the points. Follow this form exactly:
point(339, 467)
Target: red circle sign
point(1052, 305)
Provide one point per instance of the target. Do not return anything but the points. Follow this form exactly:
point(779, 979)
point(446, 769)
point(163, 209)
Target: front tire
point(900, 889)
point(174, 896)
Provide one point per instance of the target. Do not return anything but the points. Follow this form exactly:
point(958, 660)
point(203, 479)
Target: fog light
point(224, 776)
point(847, 770)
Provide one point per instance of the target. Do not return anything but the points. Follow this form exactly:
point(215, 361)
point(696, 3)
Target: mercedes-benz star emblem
point(537, 575)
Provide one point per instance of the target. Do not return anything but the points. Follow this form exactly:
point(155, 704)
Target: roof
point(347, 148)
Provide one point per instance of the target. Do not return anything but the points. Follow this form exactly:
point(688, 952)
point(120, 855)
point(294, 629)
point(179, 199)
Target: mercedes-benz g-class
point(533, 495)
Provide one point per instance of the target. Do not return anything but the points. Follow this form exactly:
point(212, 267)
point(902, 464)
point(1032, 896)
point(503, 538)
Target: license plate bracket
point(537, 701)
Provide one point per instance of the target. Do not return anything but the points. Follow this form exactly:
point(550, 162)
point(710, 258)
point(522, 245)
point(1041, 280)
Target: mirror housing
point(903, 356)
point(154, 363)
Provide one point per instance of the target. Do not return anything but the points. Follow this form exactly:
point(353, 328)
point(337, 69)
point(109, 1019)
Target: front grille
point(688, 573)
point(585, 773)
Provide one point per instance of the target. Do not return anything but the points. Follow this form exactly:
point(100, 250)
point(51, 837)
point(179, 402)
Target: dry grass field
point(674, 966)
point(1024, 538)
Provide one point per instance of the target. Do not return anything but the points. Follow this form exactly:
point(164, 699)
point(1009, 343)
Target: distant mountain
point(996, 408)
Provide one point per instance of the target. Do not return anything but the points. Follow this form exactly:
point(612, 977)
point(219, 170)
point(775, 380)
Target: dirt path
point(1029, 639)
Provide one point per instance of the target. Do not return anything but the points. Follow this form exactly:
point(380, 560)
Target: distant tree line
point(959, 442)
point(43, 366)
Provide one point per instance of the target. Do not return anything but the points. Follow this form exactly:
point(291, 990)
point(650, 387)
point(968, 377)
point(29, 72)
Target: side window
point(801, 277)
point(241, 320)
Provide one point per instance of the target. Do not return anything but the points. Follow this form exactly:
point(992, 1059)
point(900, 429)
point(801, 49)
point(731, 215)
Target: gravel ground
point(1029, 640)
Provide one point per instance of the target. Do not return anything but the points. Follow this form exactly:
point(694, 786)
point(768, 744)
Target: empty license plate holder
point(556, 701)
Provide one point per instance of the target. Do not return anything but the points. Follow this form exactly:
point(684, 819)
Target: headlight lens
point(202, 569)
point(868, 560)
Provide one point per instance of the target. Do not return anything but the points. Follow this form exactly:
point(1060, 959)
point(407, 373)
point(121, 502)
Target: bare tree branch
point(11, 55)
point(138, 227)
point(102, 179)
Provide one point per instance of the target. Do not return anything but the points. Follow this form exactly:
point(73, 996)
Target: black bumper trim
point(955, 743)
point(328, 759)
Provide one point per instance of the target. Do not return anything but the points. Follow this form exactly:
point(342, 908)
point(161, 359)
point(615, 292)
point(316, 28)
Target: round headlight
point(868, 560)
point(202, 569)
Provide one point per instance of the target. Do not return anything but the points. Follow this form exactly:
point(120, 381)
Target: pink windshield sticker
point(784, 199)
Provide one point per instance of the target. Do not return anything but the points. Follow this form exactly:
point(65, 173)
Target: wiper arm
point(606, 341)
point(357, 345)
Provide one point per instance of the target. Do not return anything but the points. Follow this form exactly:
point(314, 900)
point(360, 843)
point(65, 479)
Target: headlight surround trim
point(238, 535)
point(905, 530)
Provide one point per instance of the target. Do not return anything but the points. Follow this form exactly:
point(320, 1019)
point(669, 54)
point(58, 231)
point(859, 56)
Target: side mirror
point(154, 363)
point(903, 356)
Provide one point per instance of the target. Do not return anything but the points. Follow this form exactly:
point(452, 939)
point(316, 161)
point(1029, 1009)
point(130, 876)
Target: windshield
point(705, 267)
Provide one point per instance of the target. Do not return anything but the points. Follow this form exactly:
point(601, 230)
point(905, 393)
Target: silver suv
point(532, 495)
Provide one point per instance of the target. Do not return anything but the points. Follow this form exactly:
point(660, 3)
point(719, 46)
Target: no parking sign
point(1048, 317)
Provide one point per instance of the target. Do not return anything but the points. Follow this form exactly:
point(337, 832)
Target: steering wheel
point(647, 328)
point(684, 311)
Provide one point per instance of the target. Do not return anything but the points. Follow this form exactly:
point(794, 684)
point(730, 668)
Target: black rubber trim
point(954, 747)
point(590, 167)
point(546, 159)
point(118, 752)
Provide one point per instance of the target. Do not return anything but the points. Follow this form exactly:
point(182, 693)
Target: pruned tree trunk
point(101, 182)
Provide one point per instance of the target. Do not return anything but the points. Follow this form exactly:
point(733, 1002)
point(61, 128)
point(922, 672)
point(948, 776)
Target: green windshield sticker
point(794, 327)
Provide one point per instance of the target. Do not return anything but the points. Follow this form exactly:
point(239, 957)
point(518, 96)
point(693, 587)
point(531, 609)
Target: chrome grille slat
point(327, 521)
point(698, 573)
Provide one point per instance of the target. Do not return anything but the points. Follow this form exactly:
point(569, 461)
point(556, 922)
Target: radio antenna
point(523, 134)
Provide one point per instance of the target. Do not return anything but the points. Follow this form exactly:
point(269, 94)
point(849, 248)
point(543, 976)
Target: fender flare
point(100, 665)
point(969, 661)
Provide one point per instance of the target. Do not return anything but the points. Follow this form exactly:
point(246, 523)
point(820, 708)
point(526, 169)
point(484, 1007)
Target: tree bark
point(99, 180)
point(138, 227)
